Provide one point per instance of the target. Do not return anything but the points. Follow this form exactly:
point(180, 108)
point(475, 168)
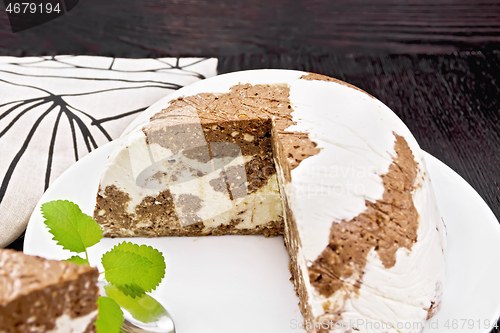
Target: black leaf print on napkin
point(65, 111)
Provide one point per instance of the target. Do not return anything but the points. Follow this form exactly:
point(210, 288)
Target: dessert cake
point(41, 295)
point(304, 155)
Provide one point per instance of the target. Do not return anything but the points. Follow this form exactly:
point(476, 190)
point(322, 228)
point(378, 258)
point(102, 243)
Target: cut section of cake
point(41, 295)
point(307, 156)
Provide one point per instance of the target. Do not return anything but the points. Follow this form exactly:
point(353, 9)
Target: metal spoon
point(164, 324)
point(143, 314)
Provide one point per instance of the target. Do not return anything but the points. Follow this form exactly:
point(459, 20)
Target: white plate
point(240, 283)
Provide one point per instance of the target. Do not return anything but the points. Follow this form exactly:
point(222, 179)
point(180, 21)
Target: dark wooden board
point(226, 27)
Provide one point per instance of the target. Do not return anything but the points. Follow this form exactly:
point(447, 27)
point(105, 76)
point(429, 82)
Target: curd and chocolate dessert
point(40, 295)
point(274, 152)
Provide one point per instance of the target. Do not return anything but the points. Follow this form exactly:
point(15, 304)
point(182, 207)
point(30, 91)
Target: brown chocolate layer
point(36, 291)
point(292, 243)
point(110, 211)
point(319, 77)
point(386, 226)
point(158, 213)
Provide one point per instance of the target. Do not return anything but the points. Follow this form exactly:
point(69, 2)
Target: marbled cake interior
point(210, 169)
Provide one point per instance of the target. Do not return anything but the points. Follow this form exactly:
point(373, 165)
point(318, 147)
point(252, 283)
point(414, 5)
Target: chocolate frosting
point(319, 77)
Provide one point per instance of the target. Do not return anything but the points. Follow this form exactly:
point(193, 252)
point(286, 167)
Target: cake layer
point(36, 292)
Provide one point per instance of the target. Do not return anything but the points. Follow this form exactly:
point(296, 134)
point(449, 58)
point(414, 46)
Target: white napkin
point(55, 110)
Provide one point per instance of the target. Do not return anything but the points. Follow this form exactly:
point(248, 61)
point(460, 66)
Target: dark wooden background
point(435, 63)
point(227, 27)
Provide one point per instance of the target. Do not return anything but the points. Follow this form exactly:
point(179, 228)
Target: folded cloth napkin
point(55, 110)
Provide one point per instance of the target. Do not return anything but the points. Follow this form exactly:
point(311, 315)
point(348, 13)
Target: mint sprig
point(72, 229)
point(132, 269)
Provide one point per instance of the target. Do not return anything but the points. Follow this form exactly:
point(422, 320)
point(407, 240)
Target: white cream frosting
point(356, 135)
point(66, 324)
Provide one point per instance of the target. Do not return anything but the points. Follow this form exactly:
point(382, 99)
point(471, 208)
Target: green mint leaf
point(78, 260)
point(72, 229)
point(138, 268)
point(145, 308)
point(110, 316)
point(125, 269)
